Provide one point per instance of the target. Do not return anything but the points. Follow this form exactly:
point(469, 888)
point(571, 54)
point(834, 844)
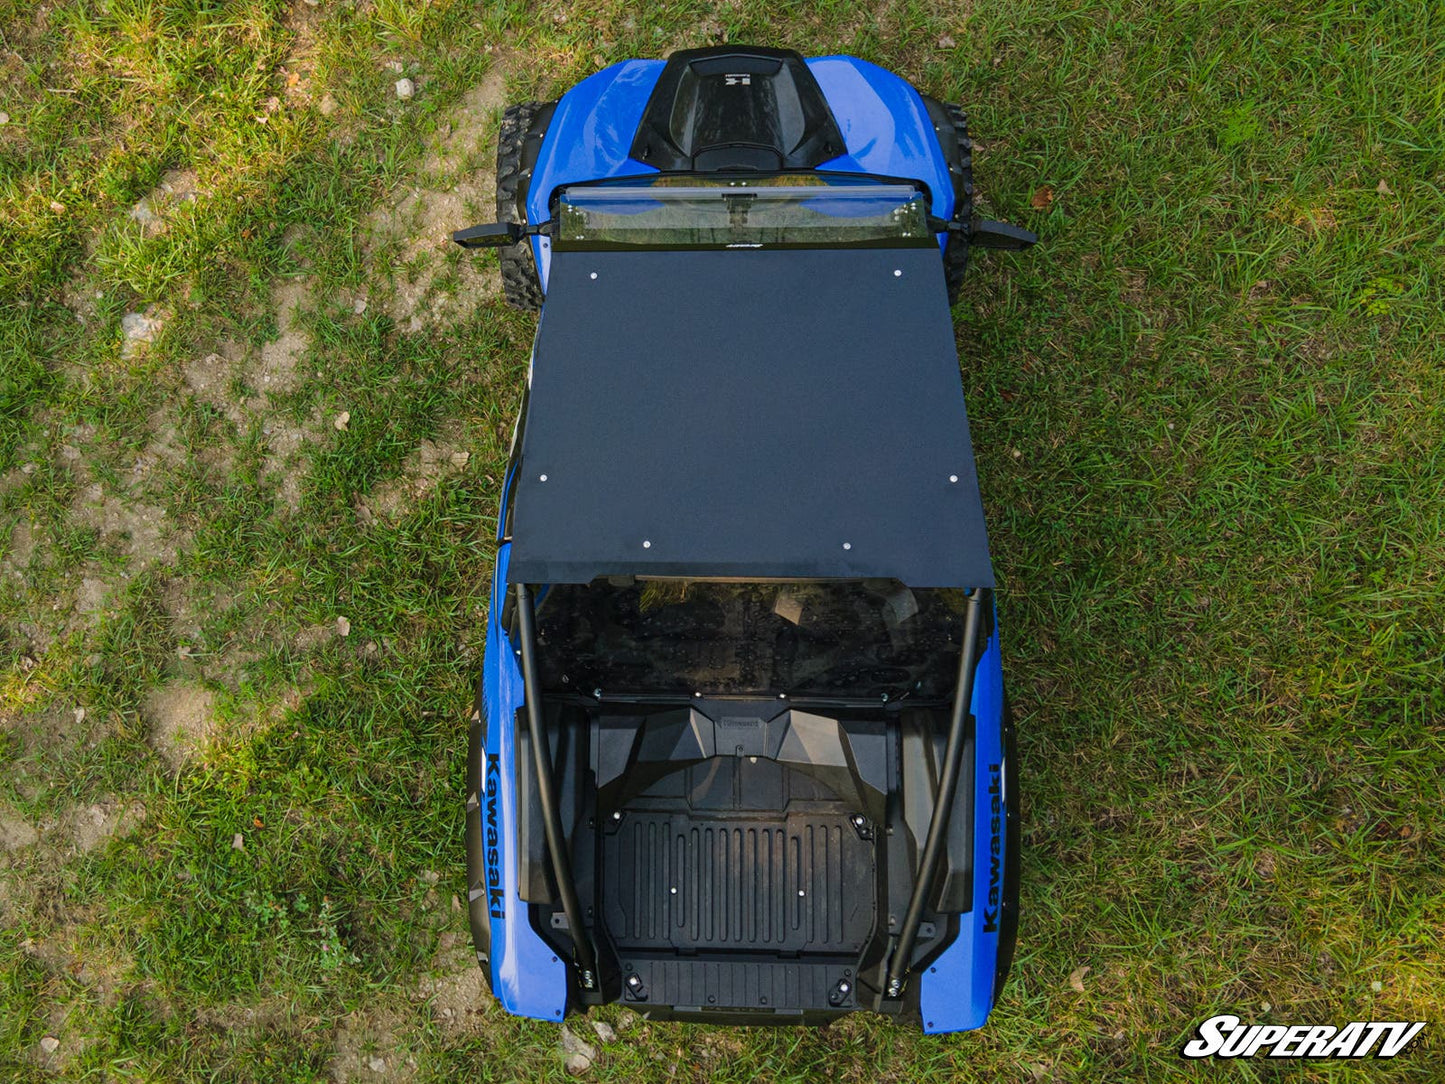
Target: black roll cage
point(584, 951)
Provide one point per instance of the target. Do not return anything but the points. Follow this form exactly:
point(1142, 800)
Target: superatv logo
point(496, 898)
point(1227, 1037)
point(995, 819)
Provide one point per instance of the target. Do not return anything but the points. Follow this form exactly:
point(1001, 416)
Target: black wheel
point(960, 168)
point(521, 285)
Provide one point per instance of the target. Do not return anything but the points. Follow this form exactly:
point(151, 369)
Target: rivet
point(801, 892)
point(953, 477)
point(541, 477)
point(593, 275)
point(646, 544)
point(673, 890)
point(847, 545)
point(897, 273)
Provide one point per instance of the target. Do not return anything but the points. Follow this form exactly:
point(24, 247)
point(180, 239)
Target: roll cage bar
point(584, 952)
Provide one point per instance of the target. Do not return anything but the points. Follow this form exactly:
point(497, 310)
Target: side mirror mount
point(986, 234)
point(490, 235)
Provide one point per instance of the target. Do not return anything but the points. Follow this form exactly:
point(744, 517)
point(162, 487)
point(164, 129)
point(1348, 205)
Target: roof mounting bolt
point(673, 890)
point(847, 545)
point(646, 544)
point(953, 478)
point(593, 275)
point(898, 272)
point(801, 893)
point(541, 477)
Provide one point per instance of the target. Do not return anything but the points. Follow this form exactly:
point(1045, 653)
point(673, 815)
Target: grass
point(1208, 409)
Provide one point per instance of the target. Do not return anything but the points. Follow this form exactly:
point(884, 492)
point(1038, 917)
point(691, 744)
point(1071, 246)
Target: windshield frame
point(722, 180)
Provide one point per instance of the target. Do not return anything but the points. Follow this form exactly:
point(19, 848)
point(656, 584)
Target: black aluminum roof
point(758, 414)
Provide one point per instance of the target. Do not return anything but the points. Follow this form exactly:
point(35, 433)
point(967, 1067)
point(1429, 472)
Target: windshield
point(799, 210)
point(855, 640)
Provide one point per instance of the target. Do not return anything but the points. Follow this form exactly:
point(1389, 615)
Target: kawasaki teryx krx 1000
point(741, 750)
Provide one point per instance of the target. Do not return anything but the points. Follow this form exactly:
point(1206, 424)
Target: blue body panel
point(884, 124)
point(956, 992)
point(527, 977)
point(589, 137)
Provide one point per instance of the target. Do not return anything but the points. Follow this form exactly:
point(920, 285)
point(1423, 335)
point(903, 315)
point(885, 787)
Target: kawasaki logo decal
point(995, 820)
point(496, 898)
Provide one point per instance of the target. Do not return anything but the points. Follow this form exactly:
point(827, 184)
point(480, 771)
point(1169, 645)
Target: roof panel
point(754, 413)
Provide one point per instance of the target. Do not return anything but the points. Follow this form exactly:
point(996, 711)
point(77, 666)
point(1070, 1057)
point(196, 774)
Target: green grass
point(1208, 411)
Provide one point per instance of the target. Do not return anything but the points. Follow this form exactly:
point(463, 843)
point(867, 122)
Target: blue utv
point(741, 751)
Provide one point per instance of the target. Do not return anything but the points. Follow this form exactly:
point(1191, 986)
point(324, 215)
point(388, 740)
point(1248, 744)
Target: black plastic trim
point(478, 914)
point(725, 132)
point(1009, 912)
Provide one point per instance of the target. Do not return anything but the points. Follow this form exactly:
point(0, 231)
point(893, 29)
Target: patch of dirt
point(90, 826)
point(177, 187)
point(75, 951)
point(275, 368)
point(21, 549)
point(423, 469)
point(181, 722)
point(39, 740)
point(284, 463)
point(456, 990)
point(139, 329)
point(410, 239)
point(16, 833)
point(367, 1050)
point(137, 530)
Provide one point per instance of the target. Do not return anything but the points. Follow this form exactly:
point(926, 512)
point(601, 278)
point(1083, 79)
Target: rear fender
point(527, 976)
point(958, 989)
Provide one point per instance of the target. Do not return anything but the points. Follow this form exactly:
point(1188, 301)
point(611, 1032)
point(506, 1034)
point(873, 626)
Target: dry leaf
point(1041, 199)
point(945, 42)
point(238, 842)
point(1383, 188)
point(342, 420)
point(343, 626)
point(1076, 977)
point(459, 459)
